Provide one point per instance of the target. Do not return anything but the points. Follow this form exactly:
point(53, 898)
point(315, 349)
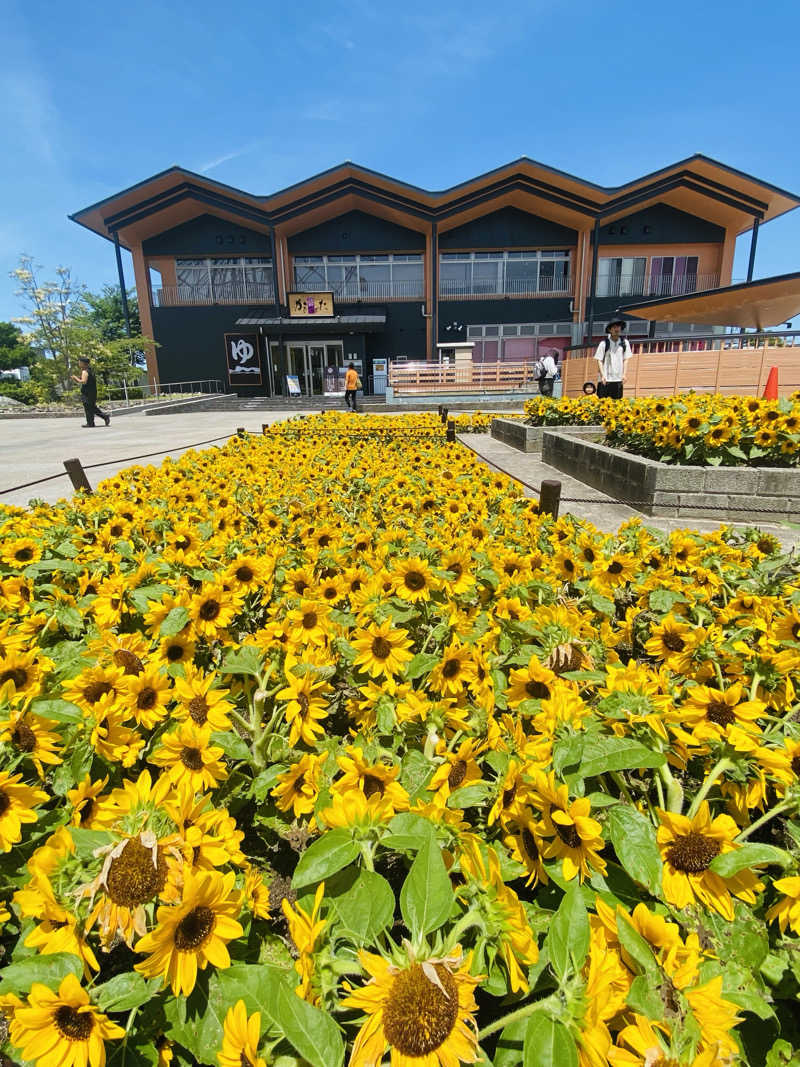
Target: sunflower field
point(323, 748)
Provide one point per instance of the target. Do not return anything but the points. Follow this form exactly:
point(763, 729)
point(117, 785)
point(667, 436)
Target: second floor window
point(629, 276)
point(356, 276)
point(475, 273)
point(225, 275)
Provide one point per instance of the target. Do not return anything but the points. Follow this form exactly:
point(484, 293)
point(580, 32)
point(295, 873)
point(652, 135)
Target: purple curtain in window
point(655, 276)
point(679, 275)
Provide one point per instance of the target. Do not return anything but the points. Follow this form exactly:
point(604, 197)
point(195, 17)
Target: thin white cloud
point(219, 160)
point(28, 115)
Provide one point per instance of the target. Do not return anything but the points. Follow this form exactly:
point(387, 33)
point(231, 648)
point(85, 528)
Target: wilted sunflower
point(193, 933)
point(62, 1029)
point(134, 872)
point(423, 1012)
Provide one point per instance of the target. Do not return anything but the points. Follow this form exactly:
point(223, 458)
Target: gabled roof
point(698, 184)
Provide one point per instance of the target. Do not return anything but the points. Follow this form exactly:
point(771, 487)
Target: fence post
point(443, 413)
point(240, 431)
point(451, 430)
point(549, 498)
point(264, 427)
point(77, 475)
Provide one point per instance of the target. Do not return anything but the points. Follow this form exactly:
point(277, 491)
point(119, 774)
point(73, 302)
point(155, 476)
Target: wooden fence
point(466, 377)
point(733, 372)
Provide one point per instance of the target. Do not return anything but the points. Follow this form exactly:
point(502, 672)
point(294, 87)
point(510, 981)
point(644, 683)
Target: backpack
point(538, 369)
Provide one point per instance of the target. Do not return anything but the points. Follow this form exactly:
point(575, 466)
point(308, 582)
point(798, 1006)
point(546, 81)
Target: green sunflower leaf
point(366, 907)
point(568, 937)
point(427, 897)
point(49, 970)
point(634, 839)
point(245, 660)
point(329, 854)
point(174, 622)
point(605, 753)
point(548, 1043)
point(730, 863)
point(422, 663)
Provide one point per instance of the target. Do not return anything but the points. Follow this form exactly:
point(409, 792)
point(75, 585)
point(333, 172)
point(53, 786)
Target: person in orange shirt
point(350, 387)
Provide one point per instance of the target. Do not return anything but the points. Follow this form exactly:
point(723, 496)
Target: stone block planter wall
point(527, 438)
point(735, 494)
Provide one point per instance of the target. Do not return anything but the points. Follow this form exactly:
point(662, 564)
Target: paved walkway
point(604, 512)
point(35, 448)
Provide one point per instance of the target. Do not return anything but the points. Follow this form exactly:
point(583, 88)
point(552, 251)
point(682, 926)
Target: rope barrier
point(26, 485)
point(109, 462)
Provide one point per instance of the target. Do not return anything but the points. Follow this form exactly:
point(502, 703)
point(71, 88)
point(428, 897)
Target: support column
point(593, 283)
point(143, 293)
point(435, 280)
point(123, 292)
point(753, 242)
point(275, 268)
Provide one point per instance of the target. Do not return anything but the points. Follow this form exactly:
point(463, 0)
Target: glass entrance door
point(297, 366)
point(318, 367)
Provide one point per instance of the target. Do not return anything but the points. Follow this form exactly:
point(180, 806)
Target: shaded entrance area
point(313, 352)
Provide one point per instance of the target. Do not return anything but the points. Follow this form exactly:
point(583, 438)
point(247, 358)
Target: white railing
point(130, 392)
point(227, 293)
point(449, 289)
point(656, 285)
point(422, 378)
point(360, 289)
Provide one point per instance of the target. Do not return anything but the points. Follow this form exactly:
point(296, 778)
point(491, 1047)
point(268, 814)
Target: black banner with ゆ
point(244, 365)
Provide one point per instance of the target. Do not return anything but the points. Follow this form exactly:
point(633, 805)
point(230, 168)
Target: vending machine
point(380, 376)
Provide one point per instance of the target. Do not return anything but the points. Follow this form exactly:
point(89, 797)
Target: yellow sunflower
point(424, 1013)
point(304, 930)
point(189, 757)
point(687, 848)
point(62, 1029)
point(17, 802)
point(306, 704)
point(200, 700)
point(787, 910)
point(298, 788)
point(240, 1037)
point(382, 650)
point(413, 579)
point(193, 933)
point(20, 674)
point(212, 609)
point(21, 552)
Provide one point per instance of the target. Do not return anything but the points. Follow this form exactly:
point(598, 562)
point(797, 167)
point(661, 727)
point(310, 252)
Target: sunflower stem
point(520, 1013)
point(469, 919)
point(719, 768)
point(621, 785)
point(659, 791)
point(754, 686)
point(242, 721)
point(779, 809)
point(674, 790)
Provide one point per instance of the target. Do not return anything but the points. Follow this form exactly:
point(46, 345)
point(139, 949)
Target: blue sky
point(95, 97)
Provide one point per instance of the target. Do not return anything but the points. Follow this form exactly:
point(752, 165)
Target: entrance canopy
point(316, 327)
point(760, 304)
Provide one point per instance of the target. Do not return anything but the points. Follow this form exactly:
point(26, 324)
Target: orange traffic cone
point(771, 388)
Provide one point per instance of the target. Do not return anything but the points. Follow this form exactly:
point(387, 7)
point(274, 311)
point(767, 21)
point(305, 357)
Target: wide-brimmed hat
point(616, 322)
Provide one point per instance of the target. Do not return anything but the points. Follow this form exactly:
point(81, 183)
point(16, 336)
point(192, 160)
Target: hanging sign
point(310, 305)
point(244, 366)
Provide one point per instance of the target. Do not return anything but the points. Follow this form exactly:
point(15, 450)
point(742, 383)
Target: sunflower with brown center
point(382, 649)
point(188, 756)
point(212, 610)
point(306, 700)
point(62, 1029)
point(708, 714)
point(413, 579)
point(145, 696)
point(33, 738)
point(423, 1012)
point(534, 682)
point(372, 779)
point(688, 847)
point(20, 674)
point(298, 788)
point(193, 933)
point(201, 699)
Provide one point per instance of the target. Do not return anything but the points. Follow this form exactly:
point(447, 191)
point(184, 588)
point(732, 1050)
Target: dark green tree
point(104, 311)
point(14, 350)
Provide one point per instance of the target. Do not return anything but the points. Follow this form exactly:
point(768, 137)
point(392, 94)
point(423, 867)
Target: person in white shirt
point(547, 371)
point(612, 356)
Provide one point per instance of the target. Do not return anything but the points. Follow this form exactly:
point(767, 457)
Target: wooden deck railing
point(410, 378)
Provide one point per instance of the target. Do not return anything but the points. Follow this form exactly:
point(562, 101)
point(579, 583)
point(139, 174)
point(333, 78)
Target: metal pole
point(450, 434)
point(435, 274)
point(77, 475)
point(550, 498)
point(753, 242)
point(593, 283)
point(123, 292)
